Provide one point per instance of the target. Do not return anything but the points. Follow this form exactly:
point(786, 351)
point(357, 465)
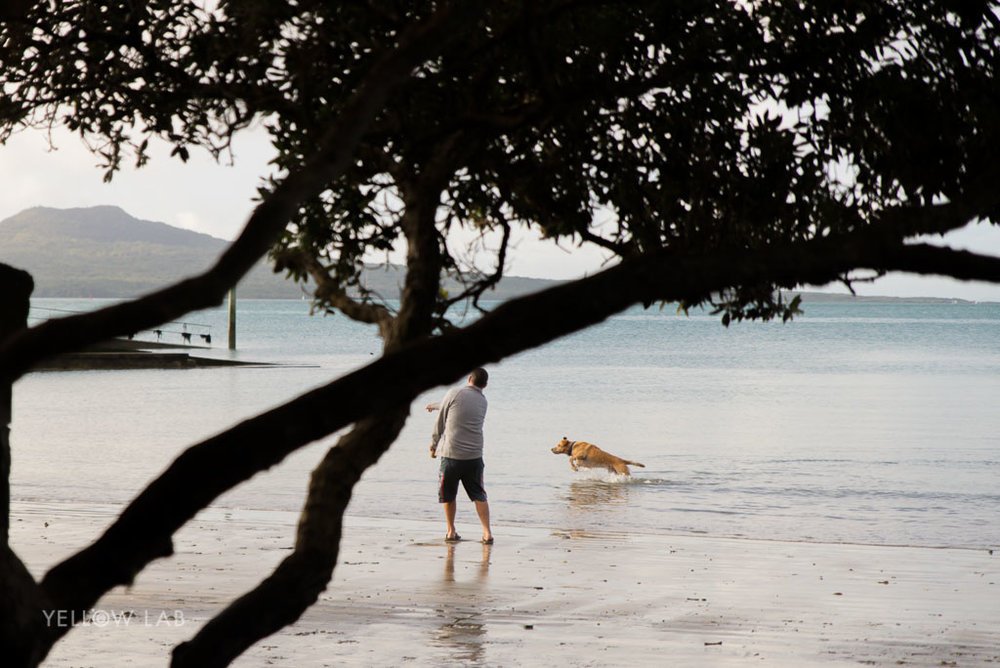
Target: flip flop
point(452, 539)
point(487, 541)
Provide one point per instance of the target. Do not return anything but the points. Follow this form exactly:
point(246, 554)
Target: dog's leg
point(620, 468)
point(572, 464)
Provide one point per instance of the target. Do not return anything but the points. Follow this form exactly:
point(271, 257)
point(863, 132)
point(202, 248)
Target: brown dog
point(590, 456)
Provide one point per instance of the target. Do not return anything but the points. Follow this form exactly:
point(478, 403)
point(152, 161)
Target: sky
point(217, 199)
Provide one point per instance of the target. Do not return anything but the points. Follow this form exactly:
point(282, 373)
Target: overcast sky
point(217, 199)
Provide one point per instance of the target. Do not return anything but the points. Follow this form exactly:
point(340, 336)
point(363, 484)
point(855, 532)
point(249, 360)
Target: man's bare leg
point(449, 517)
point(483, 510)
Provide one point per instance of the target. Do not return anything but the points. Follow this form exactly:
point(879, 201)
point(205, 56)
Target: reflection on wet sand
point(464, 631)
point(449, 563)
point(588, 493)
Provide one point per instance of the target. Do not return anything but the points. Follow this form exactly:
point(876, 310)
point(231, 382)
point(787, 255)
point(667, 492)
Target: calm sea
point(858, 422)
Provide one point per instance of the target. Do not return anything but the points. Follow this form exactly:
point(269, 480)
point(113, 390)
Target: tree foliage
point(731, 147)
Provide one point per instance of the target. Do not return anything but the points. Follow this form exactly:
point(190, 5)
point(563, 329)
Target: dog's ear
point(565, 439)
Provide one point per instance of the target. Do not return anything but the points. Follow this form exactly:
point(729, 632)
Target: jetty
point(119, 354)
point(133, 353)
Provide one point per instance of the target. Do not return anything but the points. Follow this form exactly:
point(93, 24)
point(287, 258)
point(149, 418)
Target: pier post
point(232, 318)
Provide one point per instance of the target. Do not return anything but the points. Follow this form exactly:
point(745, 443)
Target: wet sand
point(542, 596)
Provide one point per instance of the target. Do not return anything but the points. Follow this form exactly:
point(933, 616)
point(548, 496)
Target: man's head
point(479, 378)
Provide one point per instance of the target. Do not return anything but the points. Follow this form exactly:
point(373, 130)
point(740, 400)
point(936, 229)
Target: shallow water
point(860, 423)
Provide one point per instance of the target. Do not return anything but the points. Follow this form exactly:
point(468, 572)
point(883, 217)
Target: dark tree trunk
point(15, 293)
point(296, 584)
point(21, 620)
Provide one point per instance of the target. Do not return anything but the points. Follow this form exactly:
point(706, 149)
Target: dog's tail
point(635, 464)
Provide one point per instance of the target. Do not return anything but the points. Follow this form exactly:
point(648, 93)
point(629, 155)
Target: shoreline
point(540, 596)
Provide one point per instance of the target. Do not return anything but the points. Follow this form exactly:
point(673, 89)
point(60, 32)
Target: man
point(459, 432)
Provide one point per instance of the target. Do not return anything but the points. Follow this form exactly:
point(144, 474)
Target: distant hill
point(103, 251)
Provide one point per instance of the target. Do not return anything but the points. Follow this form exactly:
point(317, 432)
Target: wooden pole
point(232, 318)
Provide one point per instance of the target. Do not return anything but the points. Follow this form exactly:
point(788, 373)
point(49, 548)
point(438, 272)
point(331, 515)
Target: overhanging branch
point(330, 292)
point(336, 148)
point(203, 472)
point(300, 578)
point(484, 283)
point(941, 261)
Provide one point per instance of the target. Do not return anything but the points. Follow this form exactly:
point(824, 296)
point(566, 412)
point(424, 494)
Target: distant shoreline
point(807, 298)
point(817, 297)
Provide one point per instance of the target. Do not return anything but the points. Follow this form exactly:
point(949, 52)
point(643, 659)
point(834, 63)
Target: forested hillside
point(103, 251)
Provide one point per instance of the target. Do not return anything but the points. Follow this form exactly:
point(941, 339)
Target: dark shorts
point(467, 471)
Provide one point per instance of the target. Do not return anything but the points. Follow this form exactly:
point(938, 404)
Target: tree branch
point(616, 248)
point(331, 293)
point(14, 9)
point(15, 300)
point(424, 258)
point(482, 285)
point(927, 259)
point(299, 580)
point(206, 470)
point(336, 148)
point(21, 627)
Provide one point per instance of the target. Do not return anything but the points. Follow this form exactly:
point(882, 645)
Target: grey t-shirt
point(460, 423)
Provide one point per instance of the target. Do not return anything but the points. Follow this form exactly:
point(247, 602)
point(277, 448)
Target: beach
point(401, 596)
point(814, 494)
